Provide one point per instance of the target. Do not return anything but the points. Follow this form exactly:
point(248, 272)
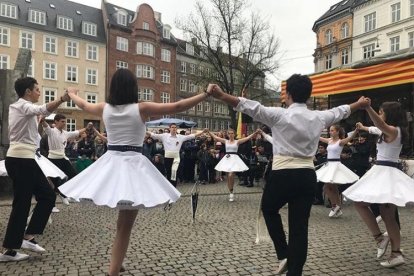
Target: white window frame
point(91, 97)
point(183, 66)
point(145, 25)
point(165, 55)
point(189, 48)
point(4, 60)
point(146, 94)
point(411, 38)
point(199, 107)
point(207, 107)
point(328, 61)
point(91, 76)
point(165, 76)
point(122, 44)
point(65, 23)
point(370, 21)
point(165, 97)
point(145, 48)
point(31, 69)
point(145, 71)
point(70, 124)
point(24, 39)
point(328, 37)
point(345, 30)
point(49, 97)
point(92, 52)
point(8, 10)
point(4, 36)
point(69, 49)
point(192, 68)
point(394, 43)
point(183, 85)
point(70, 104)
point(89, 28)
point(411, 8)
point(52, 43)
point(166, 33)
point(37, 17)
point(121, 64)
point(345, 56)
point(49, 70)
point(192, 87)
point(395, 12)
point(122, 18)
point(74, 74)
point(368, 51)
point(207, 123)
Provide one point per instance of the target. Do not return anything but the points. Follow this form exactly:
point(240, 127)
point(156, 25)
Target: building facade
point(68, 46)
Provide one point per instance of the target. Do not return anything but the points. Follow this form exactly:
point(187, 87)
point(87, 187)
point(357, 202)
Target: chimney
point(194, 41)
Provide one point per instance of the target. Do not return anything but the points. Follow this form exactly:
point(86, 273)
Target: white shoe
point(334, 211)
point(32, 246)
point(393, 261)
point(55, 210)
point(282, 267)
point(378, 219)
point(10, 258)
point(386, 234)
point(338, 214)
point(382, 246)
point(64, 200)
point(231, 197)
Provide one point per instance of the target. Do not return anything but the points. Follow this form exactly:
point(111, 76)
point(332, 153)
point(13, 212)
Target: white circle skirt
point(124, 180)
point(336, 172)
point(383, 184)
point(48, 168)
point(231, 163)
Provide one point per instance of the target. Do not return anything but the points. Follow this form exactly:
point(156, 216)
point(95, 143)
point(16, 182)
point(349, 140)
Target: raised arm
point(390, 132)
point(94, 109)
point(97, 134)
point(245, 139)
point(216, 138)
point(348, 139)
point(360, 126)
point(324, 140)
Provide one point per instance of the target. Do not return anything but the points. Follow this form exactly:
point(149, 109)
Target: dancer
point(334, 172)
point(27, 177)
point(385, 183)
point(135, 183)
point(293, 177)
point(231, 162)
point(57, 140)
point(172, 144)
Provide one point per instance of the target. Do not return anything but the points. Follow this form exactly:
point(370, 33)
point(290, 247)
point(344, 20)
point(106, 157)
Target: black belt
point(124, 148)
point(389, 164)
point(333, 160)
point(231, 152)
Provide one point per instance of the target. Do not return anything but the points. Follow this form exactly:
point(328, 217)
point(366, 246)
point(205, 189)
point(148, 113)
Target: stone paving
point(220, 242)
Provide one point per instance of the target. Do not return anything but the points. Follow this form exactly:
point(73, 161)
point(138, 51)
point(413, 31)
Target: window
point(50, 44)
point(368, 51)
point(30, 71)
point(192, 88)
point(166, 55)
point(192, 68)
point(37, 17)
point(345, 30)
point(394, 44)
point(4, 62)
point(221, 125)
point(121, 64)
point(49, 95)
point(200, 70)
point(189, 48)
point(71, 73)
point(207, 107)
point(183, 85)
point(370, 22)
point(72, 48)
point(92, 52)
point(27, 40)
point(207, 123)
point(165, 76)
point(91, 97)
point(166, 32)
point(8, 10)
point(328, 61)
point(411, 7)
point(145, 48)
point(165, 97)
point(411, 39)
point(121, 44)
point(89, 28)
point(121, 18)
point(145, 25)
point(70, 104)
point(216, 125)
point(208, 72)
point(49, 70)
point(4, 36)
point(146, 94)
point(145, 71)
point(395, 12)
point(91, 76)
point(328, 37)
point(65, 23)
point(183, 66)
point(199, 107)
point(70, 124)
point(344, 56)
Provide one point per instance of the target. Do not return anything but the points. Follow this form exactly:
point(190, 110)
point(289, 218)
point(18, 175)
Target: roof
point(341, 8)
point(77, 12)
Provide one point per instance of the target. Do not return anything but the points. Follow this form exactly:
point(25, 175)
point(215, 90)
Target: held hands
point(364, 102)
point(359, 126)
point(72, 91)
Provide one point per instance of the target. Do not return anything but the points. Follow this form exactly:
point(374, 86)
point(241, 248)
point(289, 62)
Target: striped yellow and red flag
point(241, 127)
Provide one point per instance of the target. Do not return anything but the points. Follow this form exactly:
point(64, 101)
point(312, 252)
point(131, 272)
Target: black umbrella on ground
point(194, 199)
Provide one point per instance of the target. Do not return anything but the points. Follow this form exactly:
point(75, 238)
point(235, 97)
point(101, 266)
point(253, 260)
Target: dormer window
point(189, 48)
point(65, 23)
point(37, 17)
point(166, 32)
point(89, 28)
point(8, 10)
point(122, 18)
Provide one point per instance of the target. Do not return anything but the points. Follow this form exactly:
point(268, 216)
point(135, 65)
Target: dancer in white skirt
point(334, 172)
point(385, 183)
point(231, 162)
point(135, 182)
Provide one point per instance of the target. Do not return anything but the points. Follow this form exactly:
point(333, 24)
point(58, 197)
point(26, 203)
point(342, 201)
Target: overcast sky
point(291, 21)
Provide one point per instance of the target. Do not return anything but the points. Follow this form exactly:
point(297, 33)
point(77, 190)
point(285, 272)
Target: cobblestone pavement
point(220, 242)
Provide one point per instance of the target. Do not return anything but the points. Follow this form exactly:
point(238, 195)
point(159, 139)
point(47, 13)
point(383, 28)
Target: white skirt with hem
point(337, 173)
point(231, 163)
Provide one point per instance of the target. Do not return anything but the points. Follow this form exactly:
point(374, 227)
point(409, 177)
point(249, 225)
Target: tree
point(240, 49)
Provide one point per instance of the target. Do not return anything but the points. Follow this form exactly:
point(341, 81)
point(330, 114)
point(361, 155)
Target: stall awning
point(351, 80)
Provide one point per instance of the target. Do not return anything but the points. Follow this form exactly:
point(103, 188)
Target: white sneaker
point(32, 246)
point(378, 219)
point(64, 200)
point(334, 211)
point(386, 234)
point(282, 267)
point(13, 256)
point(55, 210)
point(382, 246)
point(231, 197)
point(393, 261)
point(338, 214)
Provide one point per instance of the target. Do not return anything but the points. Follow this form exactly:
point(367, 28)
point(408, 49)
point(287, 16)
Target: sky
point(290, 20)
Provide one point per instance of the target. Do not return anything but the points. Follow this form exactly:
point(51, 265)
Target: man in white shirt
point(57, 139)
point(28, 179)
point(296, 132)
point(172, 144)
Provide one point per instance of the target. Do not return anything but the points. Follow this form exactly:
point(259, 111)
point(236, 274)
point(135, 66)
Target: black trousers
point(65, 166)
point(168, 162)
point(297, 188)
point(28, 180)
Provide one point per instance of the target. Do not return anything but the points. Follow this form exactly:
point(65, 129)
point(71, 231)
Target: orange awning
point(351, 80)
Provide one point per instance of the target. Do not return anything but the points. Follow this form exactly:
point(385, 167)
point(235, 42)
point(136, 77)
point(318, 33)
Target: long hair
point(123, 88)
point(397, 117)
point(341, 131)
